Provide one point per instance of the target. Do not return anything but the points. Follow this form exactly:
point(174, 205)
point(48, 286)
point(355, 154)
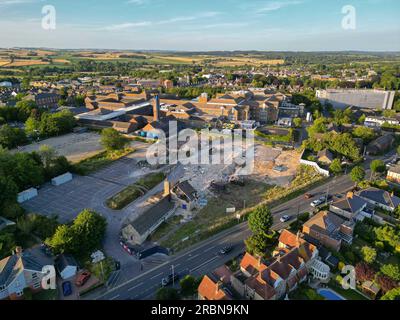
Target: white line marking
point(192, 257)
point(115, 297)
point(156, 275)
point(138, 285)
point(203, 264)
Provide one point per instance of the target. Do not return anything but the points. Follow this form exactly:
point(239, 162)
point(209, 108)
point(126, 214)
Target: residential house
point(350, 207)
point(377, 122)
point(185, 195)
point(380, 198)
point(20, 271)
point(329, 229)
point(380, 144)
point(137, 231)
point(293, 260)
point(212, 288)
point(393, 174)
point(66, 266)
point(325, 157)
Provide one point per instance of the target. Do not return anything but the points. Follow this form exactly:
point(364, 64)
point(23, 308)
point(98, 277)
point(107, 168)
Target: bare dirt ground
point(74, 146)
point(268, 158)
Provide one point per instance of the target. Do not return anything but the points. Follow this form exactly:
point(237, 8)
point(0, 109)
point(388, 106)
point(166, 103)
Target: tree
point(260, 221)
point(8, 190)
point(368, 254)
point(89, 228)
point(47, 155)
point(62, 240)
point(11, 137)
point(256, 244)
point(32, 126)
point(189, 285)
point(386, 283)
point(378, 166)
point(393, 294)
point(112, 140)
point(298, 122)
point(365, 133)
point(167, 294)
point(336, 167)
point(392, 271)
point(82, 237)
point(364, 272)
point(357, 174)
point(319, 126)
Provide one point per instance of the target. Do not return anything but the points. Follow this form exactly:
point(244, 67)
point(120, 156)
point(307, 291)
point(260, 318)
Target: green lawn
point(304, 292)
point(45, 295)
point(348, 294)
point(99, 161)
point(131, 193)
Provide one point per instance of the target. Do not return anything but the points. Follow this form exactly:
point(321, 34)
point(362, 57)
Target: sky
point(203, 25)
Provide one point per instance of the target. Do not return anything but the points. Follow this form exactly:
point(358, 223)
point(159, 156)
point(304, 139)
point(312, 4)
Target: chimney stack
point(203, 97)
point(167, 188)
point(18, 250)
point(350, 195)
point(156, 108)
point(218, 286)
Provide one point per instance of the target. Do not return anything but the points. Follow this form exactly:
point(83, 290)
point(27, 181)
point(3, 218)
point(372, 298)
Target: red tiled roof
point(208, 290)
point(252, 264)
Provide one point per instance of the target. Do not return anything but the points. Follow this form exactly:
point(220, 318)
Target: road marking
point(157, 275)
point(192, 257)
point(203, 264)
point(115, 297)
point(138, 285)
point(177, 265)
point(209, 249)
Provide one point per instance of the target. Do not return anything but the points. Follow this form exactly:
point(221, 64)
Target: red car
point(308, 196)
point(82, 278)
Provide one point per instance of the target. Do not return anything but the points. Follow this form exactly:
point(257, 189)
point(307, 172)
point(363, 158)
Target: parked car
point(117, 265)
point(169, 279)
point(67, 288)
point(308, 196)
point(82, 278)
point(225, 250)
point(318, 202)
point(285, 218)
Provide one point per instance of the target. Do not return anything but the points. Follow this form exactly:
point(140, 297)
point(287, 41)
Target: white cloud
point(277, 5)
point(13, 2)
point(127, 25)
point(139, 2)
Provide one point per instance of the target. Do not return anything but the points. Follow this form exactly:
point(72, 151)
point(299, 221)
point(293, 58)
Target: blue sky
point(296, 25)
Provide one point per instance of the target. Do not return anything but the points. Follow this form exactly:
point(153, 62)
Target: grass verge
point(99, 161)
point(132, 192)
